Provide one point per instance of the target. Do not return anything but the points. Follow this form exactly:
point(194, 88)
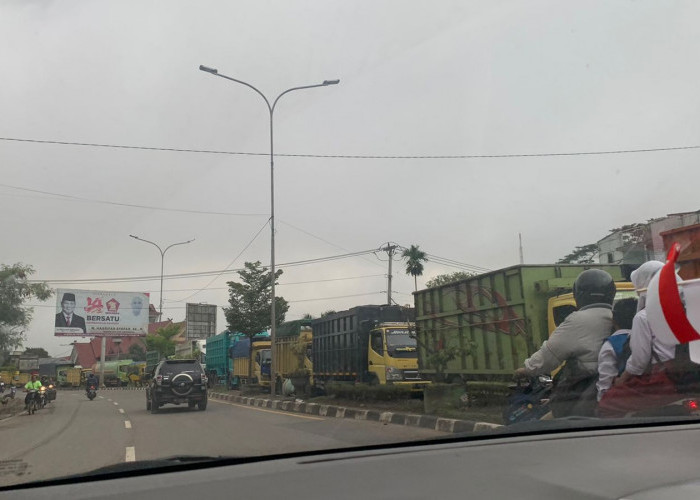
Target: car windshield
point(218, 181)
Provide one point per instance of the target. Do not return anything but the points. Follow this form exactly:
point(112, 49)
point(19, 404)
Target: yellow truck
point(292, 354)
point(243, 352)
point(374, 344)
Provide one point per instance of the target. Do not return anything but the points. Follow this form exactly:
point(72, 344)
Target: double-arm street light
point(162, 261)
point(271, 109)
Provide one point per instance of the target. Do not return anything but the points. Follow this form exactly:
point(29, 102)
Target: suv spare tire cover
point(181, 384)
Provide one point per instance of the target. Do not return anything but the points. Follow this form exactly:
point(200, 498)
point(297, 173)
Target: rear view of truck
point(494, 321)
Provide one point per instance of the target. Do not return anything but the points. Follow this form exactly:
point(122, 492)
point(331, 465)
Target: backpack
point(621, 345)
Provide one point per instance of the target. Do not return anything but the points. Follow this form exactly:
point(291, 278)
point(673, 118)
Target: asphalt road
point(74, 435)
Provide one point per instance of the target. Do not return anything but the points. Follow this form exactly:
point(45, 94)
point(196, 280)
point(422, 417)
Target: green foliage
point(414, 262)
point(36, 351)
point(251, 301)
point(581, 255)
point(439, 358)
point(137, 353)
point(328, 313)
point(162, 341)
point(444, 279)
point(307, 316)
point(364, 392)
point(15, 290)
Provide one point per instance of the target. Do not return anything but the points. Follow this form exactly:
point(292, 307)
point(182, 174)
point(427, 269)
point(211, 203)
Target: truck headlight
point(394, 373)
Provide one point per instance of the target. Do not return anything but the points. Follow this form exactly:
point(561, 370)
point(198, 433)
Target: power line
point(229, 264)
point(200, 273)
point(357, 157)
point(455, 263)
point(80, 199)
point(278, 284)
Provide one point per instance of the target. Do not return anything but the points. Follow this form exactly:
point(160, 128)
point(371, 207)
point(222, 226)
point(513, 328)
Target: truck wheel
point(202, 405)
point(373, 380)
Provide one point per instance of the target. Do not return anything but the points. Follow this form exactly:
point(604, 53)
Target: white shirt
point(641, 341)
point(607, 366)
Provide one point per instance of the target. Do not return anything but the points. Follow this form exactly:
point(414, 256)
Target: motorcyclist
point(577, 340)
point(91, 380)
point(33, 384)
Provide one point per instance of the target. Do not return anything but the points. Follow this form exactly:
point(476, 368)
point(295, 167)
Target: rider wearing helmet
point(33, 384)
point(91, 380)
point(577, 340)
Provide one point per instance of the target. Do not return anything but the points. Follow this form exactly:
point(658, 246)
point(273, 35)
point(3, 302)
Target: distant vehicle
point(116, 373)
point(243, 352)
point(292, 352)
point(177, 381)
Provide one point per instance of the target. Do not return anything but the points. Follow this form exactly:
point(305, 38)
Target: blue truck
point(219, 363)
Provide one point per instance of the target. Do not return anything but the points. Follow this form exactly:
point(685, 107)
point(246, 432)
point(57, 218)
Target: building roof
point(88, 353)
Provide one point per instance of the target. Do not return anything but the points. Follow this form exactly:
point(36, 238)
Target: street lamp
point(271, 109)
point(162, 261)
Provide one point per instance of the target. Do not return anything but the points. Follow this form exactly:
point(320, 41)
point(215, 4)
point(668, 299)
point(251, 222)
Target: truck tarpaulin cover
point(98, 313)
point(240, 349)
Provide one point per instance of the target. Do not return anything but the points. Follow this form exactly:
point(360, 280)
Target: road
point(74, 435)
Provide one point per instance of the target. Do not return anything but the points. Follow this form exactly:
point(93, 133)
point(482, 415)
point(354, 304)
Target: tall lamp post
point(271, 109)
point(162, 261)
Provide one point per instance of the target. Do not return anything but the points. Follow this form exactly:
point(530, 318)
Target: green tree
point(414, 262)
point(250, 302)
point(444, 279)
point(37, 351)
point(137, 353)
point(162, 341)
point(581, 255)
point(15, 290)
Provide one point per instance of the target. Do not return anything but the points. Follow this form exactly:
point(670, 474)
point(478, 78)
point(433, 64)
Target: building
point(637, 243)
point(86, 354)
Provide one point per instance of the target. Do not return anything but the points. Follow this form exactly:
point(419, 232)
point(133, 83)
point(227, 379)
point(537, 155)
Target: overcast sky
point(417, 79)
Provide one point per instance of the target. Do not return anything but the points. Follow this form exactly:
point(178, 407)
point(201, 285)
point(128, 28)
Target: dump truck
point(116, 373)
point(219, 366)
point(374, 344)
point(498, 319)
point(292, 351)
point(243, 352)
point(68, 376)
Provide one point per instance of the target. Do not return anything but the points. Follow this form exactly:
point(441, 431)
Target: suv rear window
point(180, 367)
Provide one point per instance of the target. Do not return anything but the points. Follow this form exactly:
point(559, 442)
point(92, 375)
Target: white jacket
point(579, 336)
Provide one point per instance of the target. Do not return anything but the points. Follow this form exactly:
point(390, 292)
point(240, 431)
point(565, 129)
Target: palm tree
point(414, 262)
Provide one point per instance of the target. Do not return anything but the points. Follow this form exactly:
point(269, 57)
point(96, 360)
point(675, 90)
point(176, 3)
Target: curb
point(447, 425)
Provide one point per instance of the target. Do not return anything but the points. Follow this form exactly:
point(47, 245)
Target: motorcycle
point(51, 393)
point(42, 397)
point(2, 387)
point(10, 395)
point(529, 399)
point(91, 392)
point(32, 404)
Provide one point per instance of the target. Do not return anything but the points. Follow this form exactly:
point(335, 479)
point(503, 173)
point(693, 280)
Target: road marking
point(127, 424)
point(115, 403)
point(101, 397)
point(121, 410)
point(267, 411)
point(130, 454)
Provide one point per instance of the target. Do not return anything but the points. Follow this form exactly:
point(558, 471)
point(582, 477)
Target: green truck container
point(503, 314)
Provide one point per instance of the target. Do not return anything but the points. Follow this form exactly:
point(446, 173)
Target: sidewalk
point(387, 417)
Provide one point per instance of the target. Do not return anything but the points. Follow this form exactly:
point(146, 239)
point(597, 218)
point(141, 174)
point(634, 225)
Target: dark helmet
point(594, 286)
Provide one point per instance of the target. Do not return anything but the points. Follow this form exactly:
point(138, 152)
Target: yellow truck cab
point(243, 352)
point(559, 307)
point(392, 356)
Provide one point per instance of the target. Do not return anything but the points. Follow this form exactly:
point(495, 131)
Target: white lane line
point(121, 410)
point(286, 414)
point(115, 403)
point(130, 454)
point(102, 397)
point(127, 424)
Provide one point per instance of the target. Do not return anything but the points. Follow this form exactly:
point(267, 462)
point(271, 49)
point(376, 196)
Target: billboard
point(201, 321)
point(98, 313)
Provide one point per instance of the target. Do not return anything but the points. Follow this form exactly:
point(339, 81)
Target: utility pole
point(390, 250)
point(522, 259)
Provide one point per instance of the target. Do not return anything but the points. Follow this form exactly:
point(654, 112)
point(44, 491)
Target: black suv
point(177, 381)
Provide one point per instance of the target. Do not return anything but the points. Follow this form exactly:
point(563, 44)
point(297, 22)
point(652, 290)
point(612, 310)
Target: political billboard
point(201, 321)
point(99, 313)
